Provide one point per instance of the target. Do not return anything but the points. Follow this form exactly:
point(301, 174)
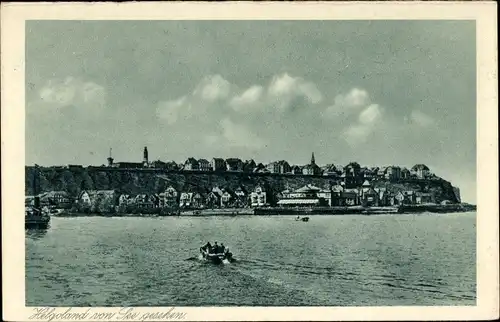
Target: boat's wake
point(200, 258)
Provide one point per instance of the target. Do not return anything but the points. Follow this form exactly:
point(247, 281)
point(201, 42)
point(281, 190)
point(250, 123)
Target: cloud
point(370, 115)
point(355, 98)
point(247, 98)
point(349, 103)
point(369, 120)
point(213, 88)
point(237, 135)
point(421, 118)
point(58, 93)
point(285, 89)
point(214, 97)
point(232, 118)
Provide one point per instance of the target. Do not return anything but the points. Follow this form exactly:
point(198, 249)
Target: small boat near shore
point(304, 219)
point(218, 258)
point(36, 218)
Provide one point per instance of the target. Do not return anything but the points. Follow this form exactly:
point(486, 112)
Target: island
point(199, 187)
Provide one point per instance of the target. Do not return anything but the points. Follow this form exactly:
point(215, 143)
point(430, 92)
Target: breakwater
point(278, 211)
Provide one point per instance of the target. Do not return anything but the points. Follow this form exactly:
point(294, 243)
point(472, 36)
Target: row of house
point(59, 199)
point(308, 196)
point(352, 174)
point(338, 195)
point(171, 198)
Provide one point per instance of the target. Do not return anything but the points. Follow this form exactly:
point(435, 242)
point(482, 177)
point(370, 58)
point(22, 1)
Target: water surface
point(426, 259)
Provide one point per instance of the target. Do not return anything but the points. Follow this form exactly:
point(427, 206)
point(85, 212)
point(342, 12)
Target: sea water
point(410, 259)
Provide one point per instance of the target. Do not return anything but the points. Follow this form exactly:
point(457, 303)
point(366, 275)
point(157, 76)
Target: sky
point(376, 92)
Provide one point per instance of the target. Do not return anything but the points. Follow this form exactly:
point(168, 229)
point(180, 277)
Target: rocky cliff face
point(135, 181)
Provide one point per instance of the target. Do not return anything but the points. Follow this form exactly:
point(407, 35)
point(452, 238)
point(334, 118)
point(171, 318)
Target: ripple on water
point(333, 260)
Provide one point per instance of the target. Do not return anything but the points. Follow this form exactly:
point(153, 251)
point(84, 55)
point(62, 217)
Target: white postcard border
point(13, 17)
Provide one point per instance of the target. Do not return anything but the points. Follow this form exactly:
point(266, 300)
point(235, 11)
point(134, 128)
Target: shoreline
point(277, 211)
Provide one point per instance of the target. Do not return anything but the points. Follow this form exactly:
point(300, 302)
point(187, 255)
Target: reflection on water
point(331, 260)
point(35, 233)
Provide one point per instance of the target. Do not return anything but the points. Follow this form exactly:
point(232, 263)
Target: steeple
point(110, 159)
point(313, 161)
point(145, 160)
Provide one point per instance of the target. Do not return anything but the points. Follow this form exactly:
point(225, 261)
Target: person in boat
point(215, 249)
point(221, 248)
point(206, 247)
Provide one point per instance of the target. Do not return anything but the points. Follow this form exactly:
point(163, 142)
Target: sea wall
point(136, 181)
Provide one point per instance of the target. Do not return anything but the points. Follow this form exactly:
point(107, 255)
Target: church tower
point(110, 159)
point(313, 161)
point(145, 159)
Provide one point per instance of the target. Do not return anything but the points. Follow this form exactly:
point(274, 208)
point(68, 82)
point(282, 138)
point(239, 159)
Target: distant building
point(279, 167)
point(307, 196)
point(368, 174)
point(351, 175)
point(98, 200)
point(337, 195)
point(204, 165)
point(296, 169)
point(144, 201)
point(213, 199)
point(193, 200)
point(405, 174)
point(55, 198)
point(410, 197)
point(399, 198)
point(311, 169)
point(185, 199)
point(393, 173)
point(241, 193)
point(145, 159)
point(128, 165)
point(226, 198)
point(197, 200)
point(331, 170)
point(84, 198)
point(169, 197)
point(421, 170)
point(171, 166)
point(218, 164)
point(349, 197)
point(249, 166)
point(381, 172)
point(158, 164)
point(124, 200)
point(258, 197)
point(260, 168)
point(368, 196)
point(234, 164)
point(191, 164)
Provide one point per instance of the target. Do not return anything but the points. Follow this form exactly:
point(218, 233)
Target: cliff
point(136, 181)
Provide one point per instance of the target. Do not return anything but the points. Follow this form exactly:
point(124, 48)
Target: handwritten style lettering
point(124, 314)
point(48, 314)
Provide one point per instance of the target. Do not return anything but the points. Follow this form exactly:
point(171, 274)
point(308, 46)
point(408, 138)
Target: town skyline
point(378, 93)
point(208, 158)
